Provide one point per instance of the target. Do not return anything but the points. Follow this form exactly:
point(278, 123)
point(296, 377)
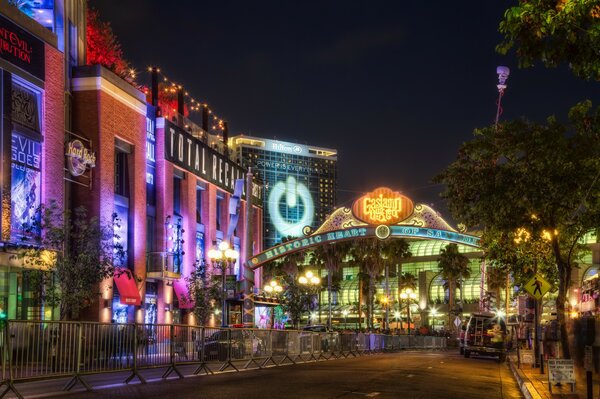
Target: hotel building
point(299, 180)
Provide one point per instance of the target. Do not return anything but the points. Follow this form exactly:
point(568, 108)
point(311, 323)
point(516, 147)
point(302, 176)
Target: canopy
point(128, 291)
point(181, 290)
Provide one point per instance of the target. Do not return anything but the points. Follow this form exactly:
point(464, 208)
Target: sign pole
point(536, 323)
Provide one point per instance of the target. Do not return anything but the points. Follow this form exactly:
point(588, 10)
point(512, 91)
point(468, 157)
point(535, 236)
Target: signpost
point(561, 371)
point(537, 287)
point(588, 364)
point(527, 357)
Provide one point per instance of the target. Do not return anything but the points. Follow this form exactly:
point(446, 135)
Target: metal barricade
point(51, 349)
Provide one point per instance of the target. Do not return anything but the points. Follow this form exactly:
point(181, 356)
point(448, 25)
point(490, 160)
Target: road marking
point(372, 394)
point(410, 375)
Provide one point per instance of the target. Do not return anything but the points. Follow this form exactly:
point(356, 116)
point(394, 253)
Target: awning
point(181, 290)
point(128, 291)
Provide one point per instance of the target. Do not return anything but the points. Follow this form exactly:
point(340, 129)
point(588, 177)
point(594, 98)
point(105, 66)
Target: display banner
point(26, 160)
point(21, 48)
point(195, 156)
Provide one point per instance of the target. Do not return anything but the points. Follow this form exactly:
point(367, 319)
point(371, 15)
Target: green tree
point(72, 254)
point(296, 297)
point(540, 176)
point(204, 290)
point(554, 32)
point(454, 267)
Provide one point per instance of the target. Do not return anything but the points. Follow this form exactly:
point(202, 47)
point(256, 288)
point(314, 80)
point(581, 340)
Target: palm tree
point(407, 280)
point(393, 252)
point(454, 266)
point(496, 281)
point(331, 256)
point(366, 253)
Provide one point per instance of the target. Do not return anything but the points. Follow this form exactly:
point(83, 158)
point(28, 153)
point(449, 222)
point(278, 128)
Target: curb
point(525, 385)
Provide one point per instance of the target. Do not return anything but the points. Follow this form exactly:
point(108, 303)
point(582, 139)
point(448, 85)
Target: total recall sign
point(382, 206)
point(21, 48)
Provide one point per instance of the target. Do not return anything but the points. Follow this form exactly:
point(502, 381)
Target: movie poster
point(25, 185)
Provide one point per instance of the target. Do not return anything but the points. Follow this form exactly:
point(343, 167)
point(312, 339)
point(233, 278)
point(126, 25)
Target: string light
point(194, 105)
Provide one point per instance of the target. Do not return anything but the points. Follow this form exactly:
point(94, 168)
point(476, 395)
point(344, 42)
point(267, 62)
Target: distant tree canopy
point(554, 32)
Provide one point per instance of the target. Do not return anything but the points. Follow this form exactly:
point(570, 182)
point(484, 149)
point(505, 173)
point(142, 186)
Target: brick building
point(81, 135)
point(169, 188)
point(32, 146)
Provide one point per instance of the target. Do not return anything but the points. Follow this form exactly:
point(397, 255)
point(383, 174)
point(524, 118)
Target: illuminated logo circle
point(297, 148)
point(290, 193)
point(79, 158)
point(382, 232)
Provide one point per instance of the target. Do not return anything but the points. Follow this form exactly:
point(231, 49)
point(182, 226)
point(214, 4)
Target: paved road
point(410, 374)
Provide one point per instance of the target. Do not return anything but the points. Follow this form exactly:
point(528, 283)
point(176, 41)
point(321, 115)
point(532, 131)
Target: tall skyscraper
point(299, 180)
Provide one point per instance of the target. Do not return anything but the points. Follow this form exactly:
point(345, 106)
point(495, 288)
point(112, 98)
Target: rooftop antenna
point(503, 72)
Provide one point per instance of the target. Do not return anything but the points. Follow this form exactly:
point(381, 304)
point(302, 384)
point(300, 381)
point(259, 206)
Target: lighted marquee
point(294, 199)
point(383, 206)
point(382, 213)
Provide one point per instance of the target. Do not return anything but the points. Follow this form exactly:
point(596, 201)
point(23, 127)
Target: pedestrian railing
point(33, 350)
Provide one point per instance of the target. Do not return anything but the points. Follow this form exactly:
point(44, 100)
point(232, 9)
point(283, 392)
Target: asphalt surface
point(409, 374)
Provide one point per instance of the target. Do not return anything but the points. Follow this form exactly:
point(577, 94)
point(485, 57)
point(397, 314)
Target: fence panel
point(42, 349)
point(49, 349)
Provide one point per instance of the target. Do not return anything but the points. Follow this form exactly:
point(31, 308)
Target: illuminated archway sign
point(381, 213)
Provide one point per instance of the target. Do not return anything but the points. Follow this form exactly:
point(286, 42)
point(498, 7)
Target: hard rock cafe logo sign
point(79, 158)
point(383, 206)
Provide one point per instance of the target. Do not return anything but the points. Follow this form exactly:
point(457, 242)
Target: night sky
point(394, 86)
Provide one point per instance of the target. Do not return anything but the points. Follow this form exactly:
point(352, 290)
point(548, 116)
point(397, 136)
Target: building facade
point(171, 192)
point(300, 184)
point(32, 86)
point(78, 135)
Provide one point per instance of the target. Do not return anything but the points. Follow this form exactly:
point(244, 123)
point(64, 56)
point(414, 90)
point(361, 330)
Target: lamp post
point(386, 321)
point(223, 257)
point(409, 296)
point(397, 317)
point(345, 314)
point(433, 313)
point(310, 281)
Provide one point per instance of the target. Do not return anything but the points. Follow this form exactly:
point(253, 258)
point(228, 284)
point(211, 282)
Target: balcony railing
point(163, 266)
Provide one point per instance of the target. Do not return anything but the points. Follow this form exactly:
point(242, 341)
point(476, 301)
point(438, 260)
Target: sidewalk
point(534, 384)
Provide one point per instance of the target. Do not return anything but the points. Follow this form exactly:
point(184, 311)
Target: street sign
point(561, 370)
point(526, 356)
point(457, 322)
point(537, 287)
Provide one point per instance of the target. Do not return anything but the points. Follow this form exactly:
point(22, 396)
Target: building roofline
point(325, 152)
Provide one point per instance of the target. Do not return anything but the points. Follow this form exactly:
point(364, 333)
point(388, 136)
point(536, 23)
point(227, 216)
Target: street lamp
point(273, 287)
point(433, 313)
point(345, 314)
point(409, 296)
point(223, 257)
point(310, 281)
point(385, 301)
point(397, 317)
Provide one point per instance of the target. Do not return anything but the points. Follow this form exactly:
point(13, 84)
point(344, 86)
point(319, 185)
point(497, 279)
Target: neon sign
point(383, 206)
point(79, 158)
point(292, 194)
point(22, 49)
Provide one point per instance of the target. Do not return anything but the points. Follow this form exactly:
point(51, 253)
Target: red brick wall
point(102, 118)
point(53, 160)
